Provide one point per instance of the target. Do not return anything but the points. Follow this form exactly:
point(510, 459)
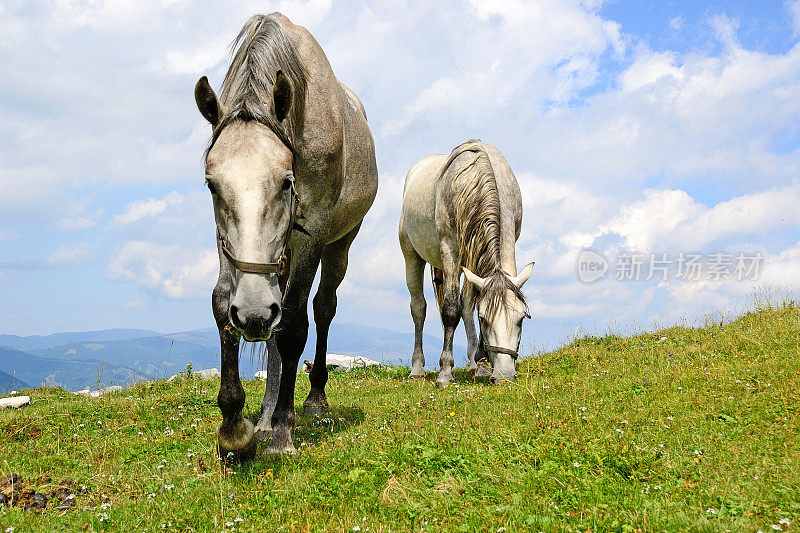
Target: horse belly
point(419, 210)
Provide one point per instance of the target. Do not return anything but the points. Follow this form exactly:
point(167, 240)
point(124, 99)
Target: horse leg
point(264, 426)
point(415, 276)
point(472, 338)
point(235, 434)
point(334, 266)
point(451, 313)
point(290, 339)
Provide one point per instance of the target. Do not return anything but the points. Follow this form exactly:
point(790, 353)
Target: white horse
point(464, 211)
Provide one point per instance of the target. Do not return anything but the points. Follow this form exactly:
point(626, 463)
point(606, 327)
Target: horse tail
point(437, 277)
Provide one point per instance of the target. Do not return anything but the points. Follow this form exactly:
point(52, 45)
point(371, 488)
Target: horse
point(463, 211)
point(291, 170)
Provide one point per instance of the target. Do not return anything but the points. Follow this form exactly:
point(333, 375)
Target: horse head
point(249, 174)
point(501, 310)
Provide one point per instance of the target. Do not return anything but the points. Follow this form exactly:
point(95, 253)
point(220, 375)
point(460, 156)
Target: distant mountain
point(9, 382)
point(122, 356)
point(38, 371)
point(36, 342)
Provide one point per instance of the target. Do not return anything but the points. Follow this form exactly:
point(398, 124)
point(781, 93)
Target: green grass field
point(678, 430)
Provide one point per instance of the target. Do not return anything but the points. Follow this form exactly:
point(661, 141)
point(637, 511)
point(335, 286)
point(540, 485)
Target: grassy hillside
point(683, 429)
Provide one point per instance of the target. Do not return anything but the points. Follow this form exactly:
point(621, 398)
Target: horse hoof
point(279, 446)
point(314, 409)
point(416, 375)
point(315, 404)
point(281, 450)
point(239, 441)
point(443, 383)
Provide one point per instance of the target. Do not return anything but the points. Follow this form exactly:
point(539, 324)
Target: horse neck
point(508, 258)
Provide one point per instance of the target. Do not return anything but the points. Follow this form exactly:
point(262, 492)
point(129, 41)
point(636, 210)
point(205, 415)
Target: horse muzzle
point(255, 325)
point(504, 368)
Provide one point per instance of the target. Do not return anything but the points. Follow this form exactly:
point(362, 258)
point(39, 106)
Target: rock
point(261, 374)
point(346, 362)
point(14, 402)
point(100, 392)
point(208, 373)
point(3, 499)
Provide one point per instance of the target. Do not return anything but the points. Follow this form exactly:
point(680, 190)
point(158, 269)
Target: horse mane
point(262, 48)
point(477, 211)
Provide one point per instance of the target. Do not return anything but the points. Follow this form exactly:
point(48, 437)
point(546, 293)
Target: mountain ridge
point(123, 356)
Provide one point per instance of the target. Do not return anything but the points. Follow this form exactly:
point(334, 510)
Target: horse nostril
point(274, 314)
point(234, 315)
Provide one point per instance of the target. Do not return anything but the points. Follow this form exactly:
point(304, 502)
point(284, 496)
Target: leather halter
point(278, 267)
point(499, 349)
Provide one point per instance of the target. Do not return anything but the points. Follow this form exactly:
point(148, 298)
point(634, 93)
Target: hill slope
point(682, 429)
point(9, 382)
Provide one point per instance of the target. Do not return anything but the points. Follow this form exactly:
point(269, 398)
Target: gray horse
point(464, 211)
point(291, 170)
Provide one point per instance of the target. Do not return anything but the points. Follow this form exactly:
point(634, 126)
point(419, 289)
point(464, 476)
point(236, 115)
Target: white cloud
point(174, 271)
point(676, 23)
point(645, 224)
point(70, 254)
point(147, 208)
point(649, 68)
point(668, 219)
point(538, 51)
point(793, 6)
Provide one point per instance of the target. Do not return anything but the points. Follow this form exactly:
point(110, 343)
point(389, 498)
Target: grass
point(682, 429)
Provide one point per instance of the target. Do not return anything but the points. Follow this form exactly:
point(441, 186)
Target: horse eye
point(211, 187)
point(287, 183)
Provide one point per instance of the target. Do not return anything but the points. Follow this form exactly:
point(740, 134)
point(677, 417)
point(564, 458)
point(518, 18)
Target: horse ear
point(478, 281)
point(281, 95)
point(523, 276)
point(207, 101)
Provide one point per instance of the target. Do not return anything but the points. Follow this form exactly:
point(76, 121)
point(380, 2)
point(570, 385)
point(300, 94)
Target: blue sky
point(661, 127)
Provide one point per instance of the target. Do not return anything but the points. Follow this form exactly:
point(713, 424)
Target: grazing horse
point(291, 170)
point(464, 211)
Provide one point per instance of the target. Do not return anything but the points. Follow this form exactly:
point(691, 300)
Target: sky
point(635, 129)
